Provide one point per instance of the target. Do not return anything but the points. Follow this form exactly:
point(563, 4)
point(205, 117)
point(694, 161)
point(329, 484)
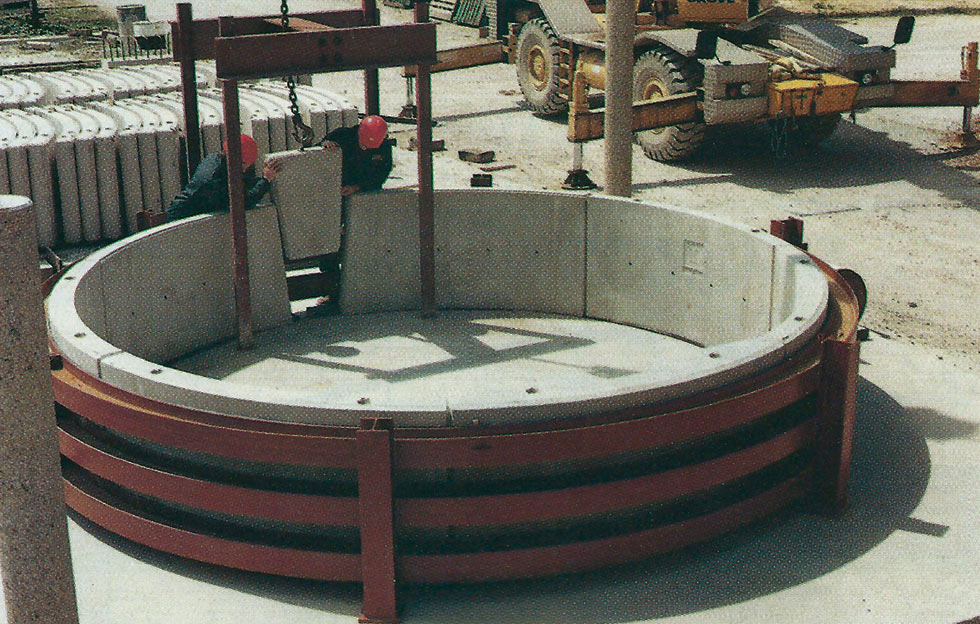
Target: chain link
point(301, 132)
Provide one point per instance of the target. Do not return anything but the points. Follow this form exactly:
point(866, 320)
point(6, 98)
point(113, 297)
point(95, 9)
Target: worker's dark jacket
point(367, 169)
point(207, 190)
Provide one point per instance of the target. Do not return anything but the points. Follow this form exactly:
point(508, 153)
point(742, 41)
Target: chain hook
point(301, 132)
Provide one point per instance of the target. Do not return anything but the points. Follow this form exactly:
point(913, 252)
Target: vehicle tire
point(811, 131)
point(537, 67)
point(657, 73)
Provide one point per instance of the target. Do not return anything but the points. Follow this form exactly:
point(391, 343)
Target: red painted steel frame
point(236, 197)
point(376, 519)
point(427, 245)
point(183, 32)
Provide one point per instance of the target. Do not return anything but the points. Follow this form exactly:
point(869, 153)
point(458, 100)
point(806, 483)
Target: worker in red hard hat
point(207, 190)
point(367, 155)
point(367, 163)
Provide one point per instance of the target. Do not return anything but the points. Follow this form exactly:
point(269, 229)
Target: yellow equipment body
point(823, 95)
point(713, 11)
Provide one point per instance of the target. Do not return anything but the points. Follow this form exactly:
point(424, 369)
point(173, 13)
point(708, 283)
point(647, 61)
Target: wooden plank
point(466, 56)
point(669, 111)
point(931, 93)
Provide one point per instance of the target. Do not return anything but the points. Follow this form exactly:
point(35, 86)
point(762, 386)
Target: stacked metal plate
point(836, 47)
point(831, 45)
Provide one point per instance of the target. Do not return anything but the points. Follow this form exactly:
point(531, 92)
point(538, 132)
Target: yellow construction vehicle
point(700, 63)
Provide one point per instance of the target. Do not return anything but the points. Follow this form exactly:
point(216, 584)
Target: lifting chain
point(301, 132)
point(779, 135)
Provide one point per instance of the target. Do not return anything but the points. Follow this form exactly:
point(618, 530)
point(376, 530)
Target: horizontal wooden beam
point(931, 93)
point(668, 111)
point(282, 54)
point(206, 30)
point(466, 56)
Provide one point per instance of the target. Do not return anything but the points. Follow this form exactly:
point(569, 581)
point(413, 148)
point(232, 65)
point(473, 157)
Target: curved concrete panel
point(551, 253)
point(68, 131)
point(21, 92)
point(129, 124)
point(265, 109)
point(33, 173)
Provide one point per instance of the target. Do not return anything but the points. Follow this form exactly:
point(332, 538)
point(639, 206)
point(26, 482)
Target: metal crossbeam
point(282, 54)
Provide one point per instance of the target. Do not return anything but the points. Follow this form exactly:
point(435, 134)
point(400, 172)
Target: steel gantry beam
point(253, 47)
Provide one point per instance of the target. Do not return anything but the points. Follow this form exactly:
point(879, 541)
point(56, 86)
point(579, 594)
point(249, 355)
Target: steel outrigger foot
point(578, 180)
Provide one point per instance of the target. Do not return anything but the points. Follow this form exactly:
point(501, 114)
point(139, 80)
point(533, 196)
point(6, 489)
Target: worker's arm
point(200, 193)
point(261, 185)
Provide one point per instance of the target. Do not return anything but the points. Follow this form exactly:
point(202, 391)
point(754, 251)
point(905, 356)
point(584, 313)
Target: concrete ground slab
point(905, 551)
point(481, 357)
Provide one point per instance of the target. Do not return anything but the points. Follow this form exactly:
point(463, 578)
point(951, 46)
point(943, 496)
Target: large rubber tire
point(537, 67)
point(657, 73)
point(811, 131)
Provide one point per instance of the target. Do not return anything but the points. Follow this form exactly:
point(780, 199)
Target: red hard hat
point(372, 131)
point(250, 150)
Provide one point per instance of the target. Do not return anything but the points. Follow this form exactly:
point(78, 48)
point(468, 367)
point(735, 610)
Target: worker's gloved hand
point(272, 169)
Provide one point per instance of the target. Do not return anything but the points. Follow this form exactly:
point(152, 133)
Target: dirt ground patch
point(879, 8)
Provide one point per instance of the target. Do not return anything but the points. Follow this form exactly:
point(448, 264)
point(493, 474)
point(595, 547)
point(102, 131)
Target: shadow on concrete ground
point(890, 472)
point(854, 157)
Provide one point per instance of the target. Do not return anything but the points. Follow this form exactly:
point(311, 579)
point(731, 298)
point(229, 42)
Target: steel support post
point(423, 107)
point(618, 129)
point(375, 496)
point(837, 401)
point(188, 85)
point(789, 230)
point(236, 198)
point(372, 90)
point(35, 558)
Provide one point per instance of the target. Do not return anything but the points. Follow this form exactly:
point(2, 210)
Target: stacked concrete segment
point(93, 85)
point(18, 91)
point(91, 167)
point(28, 152)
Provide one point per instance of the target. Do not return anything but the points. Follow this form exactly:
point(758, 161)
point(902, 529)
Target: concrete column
point(35, 559)
point(618, 129)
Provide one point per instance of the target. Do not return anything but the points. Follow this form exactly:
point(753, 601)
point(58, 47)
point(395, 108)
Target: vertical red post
point(188, 85)
point(423, 106)
point(376, 519)
point(236, 197)
point(789, 230)
point(836, 404)
point(372, 91)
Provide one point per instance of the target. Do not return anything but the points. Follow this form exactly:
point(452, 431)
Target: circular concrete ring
point(610, 479)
